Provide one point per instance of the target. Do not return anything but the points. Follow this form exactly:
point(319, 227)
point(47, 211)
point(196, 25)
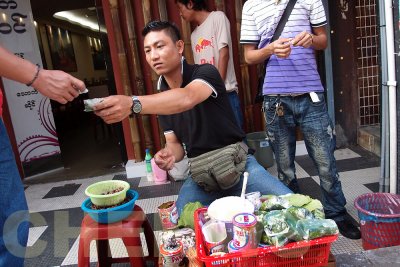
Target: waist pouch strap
point(220, 168)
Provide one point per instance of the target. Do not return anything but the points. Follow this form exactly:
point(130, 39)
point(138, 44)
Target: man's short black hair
point(168, 27)
point(198, 5)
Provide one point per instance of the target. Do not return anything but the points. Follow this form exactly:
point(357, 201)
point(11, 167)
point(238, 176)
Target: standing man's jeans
point(235, 104)
point(319, 138)
point(14, 215)
point(259, 180)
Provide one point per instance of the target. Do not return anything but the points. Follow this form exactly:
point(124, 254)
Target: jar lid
point(172, 252)
point(244, 220)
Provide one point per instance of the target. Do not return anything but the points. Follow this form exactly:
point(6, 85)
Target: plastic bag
point(315, 228)
point(293, 215)
point(276, 228)
point(316, 208)
point(272, 202)
point(186, 218)
point(297, 200)
point(180, 171)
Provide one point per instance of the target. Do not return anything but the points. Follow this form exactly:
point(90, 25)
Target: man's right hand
point(164, 159)
point(58, 85)
point(281, 47)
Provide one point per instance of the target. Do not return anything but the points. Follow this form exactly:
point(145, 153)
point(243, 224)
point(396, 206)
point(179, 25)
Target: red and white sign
point(31, 113)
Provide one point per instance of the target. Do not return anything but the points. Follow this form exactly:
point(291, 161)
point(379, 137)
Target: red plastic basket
point(304, 253)
point(379, 215)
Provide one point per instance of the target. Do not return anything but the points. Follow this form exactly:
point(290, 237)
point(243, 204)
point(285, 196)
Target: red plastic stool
point(128, 230)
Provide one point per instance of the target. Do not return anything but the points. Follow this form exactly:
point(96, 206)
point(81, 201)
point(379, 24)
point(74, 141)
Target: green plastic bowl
point(98, 192)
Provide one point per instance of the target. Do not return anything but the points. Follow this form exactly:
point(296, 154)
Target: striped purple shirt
point(298, 73)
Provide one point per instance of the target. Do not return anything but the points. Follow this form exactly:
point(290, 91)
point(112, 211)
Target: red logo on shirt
point(203, 44)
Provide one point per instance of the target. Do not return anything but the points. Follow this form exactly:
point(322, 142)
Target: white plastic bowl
point(224, 209)
point(97, 192)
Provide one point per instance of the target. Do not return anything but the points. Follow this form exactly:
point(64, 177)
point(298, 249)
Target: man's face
point(186, 11)
point(162, 54)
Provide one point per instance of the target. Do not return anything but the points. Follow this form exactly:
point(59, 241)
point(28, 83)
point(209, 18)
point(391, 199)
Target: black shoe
point(294, 186)
point(348, 229)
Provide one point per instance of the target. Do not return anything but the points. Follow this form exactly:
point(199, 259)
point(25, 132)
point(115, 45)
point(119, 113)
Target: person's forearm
point(319, 42)
point(319, 38)
point(15, 68)
point(177, 150)
point(256, 56)
point(223, 62)
point(166, 103)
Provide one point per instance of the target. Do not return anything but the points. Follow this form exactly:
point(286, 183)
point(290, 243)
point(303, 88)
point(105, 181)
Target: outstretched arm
point(115, 108)
point(55, 84)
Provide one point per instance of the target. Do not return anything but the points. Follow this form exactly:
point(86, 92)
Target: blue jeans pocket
point(321, 102)
point(269, 108)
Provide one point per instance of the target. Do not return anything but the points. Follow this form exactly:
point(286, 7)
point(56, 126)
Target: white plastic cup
point(214, 233)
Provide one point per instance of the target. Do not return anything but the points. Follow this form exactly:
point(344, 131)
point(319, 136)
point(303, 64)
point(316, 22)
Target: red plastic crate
point(304, 253)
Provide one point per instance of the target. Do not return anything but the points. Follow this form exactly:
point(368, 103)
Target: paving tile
point(374, 187)
point(62, 191)
point(34, 234)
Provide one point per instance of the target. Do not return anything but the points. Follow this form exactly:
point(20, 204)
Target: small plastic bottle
point(149, 170)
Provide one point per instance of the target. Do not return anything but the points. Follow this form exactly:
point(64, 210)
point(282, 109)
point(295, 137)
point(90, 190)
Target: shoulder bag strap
point(283, 20)
point(281, 25)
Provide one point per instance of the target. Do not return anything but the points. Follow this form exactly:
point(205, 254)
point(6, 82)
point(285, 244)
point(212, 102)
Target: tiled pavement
point(56, 214)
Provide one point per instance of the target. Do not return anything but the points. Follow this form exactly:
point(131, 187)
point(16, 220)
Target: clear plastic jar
point(254, 198)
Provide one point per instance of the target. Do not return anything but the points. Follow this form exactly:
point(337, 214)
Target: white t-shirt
point(208, 38)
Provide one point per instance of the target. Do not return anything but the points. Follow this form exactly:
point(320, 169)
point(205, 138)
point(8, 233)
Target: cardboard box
point(135, 169)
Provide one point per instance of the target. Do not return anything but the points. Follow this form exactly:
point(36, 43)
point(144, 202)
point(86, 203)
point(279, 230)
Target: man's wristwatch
point(136, 106)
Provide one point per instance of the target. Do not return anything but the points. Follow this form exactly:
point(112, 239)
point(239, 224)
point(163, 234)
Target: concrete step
point(369, 137)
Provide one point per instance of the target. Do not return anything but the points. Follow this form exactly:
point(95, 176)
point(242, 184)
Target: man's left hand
point(304, 39)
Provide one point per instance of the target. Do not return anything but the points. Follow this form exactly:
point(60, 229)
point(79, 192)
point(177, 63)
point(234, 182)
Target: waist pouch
point(220, 168)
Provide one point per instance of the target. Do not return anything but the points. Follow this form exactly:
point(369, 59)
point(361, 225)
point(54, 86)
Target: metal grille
point(367, 59)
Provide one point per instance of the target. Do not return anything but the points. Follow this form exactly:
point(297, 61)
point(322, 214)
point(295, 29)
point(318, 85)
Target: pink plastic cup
point(159, 175)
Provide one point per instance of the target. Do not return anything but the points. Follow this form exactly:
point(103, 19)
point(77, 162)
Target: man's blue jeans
point(14, 215)
point(259, 180)
point(235, 104)
point(319, 138)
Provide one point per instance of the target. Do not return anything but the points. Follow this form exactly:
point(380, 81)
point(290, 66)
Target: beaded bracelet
point(36, 75)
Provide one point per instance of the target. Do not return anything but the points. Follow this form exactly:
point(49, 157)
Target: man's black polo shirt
point(209, 125)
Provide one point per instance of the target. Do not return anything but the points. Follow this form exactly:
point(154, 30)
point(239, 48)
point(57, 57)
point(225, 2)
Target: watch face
point(137, 107)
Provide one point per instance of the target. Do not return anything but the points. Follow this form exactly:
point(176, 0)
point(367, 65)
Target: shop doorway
point(89, 147)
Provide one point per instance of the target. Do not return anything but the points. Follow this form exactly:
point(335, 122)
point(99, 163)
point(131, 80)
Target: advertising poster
point(31, 113)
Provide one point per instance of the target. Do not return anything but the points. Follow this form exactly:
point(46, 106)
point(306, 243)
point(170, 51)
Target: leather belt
point(288, 95)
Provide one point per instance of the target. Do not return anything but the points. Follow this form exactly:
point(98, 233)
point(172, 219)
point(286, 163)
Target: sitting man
point(194, 109)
